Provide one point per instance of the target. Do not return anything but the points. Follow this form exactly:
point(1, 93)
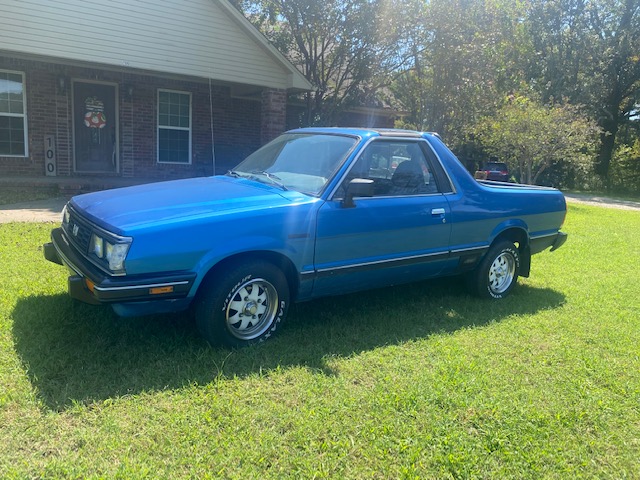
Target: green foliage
point(463, 64)
point(536, 138)
point(448, 64)
point(587, 52)
point(625, 169)
point(345, 48)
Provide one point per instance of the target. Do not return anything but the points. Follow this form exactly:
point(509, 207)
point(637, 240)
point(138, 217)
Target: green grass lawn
point(419, 381)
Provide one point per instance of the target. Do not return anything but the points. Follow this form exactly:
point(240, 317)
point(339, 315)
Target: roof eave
point(297, 81)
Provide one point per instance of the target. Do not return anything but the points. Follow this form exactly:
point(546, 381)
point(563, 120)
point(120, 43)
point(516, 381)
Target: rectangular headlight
point(97, 246)
point(116, 254)
point(65, 215)
point(113, 253)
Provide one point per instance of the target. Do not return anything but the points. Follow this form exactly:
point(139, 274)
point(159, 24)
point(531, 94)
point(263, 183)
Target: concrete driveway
point(602, 201)
point(36, 211)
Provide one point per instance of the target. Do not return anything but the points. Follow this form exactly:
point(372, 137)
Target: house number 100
point(50, 155)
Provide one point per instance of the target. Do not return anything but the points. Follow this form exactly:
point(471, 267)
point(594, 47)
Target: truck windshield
point(301, 162)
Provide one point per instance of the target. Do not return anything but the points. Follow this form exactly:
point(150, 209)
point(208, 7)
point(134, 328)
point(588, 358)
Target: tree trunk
point(607, 147)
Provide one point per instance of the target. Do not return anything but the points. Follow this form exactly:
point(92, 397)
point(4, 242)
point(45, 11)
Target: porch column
point(274, 113)
point(127, 110)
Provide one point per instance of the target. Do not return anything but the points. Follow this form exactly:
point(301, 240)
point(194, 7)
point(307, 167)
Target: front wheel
point(242, 305)
point(497, 273)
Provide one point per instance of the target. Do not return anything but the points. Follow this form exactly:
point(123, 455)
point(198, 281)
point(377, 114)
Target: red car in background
point(496, 171)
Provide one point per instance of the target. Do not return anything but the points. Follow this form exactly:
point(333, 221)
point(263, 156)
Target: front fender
point(297, 252)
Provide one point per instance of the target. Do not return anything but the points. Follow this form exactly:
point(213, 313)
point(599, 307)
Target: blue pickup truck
point(315, 212)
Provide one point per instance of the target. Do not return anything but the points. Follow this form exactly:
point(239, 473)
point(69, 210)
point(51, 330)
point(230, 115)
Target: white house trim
point(206, 39)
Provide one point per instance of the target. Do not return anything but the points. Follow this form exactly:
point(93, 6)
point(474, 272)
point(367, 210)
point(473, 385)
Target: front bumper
point(89, 285)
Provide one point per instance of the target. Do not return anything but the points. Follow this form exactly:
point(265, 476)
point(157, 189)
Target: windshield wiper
point(274, 179)
point(258, 176)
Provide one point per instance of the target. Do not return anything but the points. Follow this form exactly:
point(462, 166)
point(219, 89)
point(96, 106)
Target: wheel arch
point(519, 236)
point(278, 260)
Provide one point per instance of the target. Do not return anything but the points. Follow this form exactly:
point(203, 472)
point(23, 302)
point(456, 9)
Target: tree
point(535, 137)
point(626, 167)
point(447, 64)
point(465, 62)
point(589, 52)
point(346, 48)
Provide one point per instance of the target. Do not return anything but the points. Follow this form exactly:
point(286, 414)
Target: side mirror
point(358, 187)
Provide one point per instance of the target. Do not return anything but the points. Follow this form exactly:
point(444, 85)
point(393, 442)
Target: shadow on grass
point(76, 353)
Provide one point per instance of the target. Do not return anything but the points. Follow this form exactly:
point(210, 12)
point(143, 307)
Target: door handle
point(437, 211)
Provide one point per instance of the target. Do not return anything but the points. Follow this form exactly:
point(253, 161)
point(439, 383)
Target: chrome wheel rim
point(502, 273)
point(252, 309)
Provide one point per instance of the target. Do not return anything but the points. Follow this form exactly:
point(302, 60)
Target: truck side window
point(398, 168)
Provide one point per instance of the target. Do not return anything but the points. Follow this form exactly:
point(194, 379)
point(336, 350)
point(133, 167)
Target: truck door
point(399, 234)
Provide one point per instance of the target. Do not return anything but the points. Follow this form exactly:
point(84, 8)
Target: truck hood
point(124, 210)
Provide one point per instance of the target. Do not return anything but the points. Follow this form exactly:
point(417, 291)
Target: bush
point(625, 169)
point(542, 144)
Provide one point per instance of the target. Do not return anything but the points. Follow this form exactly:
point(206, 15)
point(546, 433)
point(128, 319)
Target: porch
point(70, 186)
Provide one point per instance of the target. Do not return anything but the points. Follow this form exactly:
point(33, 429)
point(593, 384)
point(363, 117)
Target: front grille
point(79, 231)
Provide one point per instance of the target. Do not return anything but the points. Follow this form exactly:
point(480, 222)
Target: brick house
point(135, 89)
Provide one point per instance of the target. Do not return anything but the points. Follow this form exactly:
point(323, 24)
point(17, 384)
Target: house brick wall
point(274, 113)
point(297, 116)
point(239, 125)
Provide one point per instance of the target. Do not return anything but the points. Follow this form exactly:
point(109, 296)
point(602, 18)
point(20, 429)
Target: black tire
point(497, 273)
point(243, 304)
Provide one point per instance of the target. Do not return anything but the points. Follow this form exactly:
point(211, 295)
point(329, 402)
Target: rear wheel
point(243, 304)
point(497, 273)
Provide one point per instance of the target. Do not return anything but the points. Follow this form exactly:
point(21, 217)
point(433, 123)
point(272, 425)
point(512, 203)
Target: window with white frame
point(13, 117)
point(174, 127)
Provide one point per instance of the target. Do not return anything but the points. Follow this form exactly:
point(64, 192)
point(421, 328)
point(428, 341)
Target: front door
point(95, 128)
point(400, 234)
